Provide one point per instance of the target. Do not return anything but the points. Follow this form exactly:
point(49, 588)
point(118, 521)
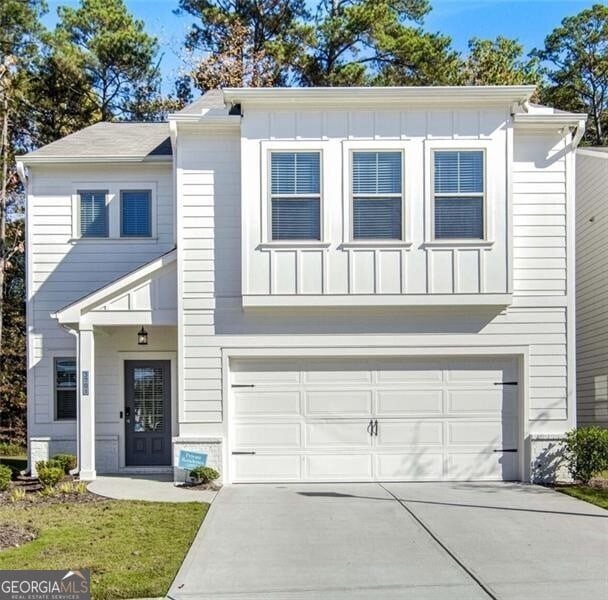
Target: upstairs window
point(459, 192)
point(295, 195)
point(135, 213)
point(93, 213)
point(377, 189)
point(65, 389)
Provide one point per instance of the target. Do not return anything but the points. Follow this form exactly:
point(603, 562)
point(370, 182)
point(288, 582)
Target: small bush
point(6, 474)
point(48, 464)
point(79, 488)
point(67, 461)
point(50, 476)
point(11, 449)
point(586, 452)
point(204, 474)
point(17, 494)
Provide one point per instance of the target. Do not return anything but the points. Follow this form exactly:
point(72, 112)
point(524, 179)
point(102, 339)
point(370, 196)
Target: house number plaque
point(85, 383)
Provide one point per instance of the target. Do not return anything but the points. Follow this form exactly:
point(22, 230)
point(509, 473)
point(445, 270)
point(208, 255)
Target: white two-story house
point(308, 285)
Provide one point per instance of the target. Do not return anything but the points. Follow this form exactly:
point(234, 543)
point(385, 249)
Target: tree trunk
point(3, 199)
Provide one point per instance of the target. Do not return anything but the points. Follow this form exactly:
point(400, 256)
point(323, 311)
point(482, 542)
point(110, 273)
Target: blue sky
point(527, 20)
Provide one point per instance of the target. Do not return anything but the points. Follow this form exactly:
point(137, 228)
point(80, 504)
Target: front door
point(148, 412)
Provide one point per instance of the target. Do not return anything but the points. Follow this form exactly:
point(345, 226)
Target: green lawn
point(596, 496)
point(133, 549)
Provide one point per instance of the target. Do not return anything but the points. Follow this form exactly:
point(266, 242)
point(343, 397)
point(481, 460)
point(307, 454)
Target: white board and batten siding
point(592, 286)
point(220, 258)
point(62, 269)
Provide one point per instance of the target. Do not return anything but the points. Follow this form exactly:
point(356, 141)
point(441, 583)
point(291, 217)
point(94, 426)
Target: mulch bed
point(32, 487)
point(214, 487)
point(13, 536)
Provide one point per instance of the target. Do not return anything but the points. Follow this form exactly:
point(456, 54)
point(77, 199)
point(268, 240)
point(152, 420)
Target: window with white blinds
point(93, 213)
point(377, 195)
point(459, 191)
point(135, 213)
point(295, 195)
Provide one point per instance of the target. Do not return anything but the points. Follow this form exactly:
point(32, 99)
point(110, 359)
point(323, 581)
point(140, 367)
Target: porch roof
point(146, 296)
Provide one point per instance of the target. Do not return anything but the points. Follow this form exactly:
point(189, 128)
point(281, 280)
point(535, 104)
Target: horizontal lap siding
point(592, 289)
point(209, 222)
point(63, 271)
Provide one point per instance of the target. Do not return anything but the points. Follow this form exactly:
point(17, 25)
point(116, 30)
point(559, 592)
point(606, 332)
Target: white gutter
point(46, 160)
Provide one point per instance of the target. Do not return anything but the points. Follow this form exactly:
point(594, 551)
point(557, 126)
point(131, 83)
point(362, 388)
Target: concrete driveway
point(419, 541)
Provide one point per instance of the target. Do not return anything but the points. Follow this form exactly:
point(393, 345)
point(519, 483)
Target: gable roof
point(106, 141)
point(213, 99)
point(71, 313)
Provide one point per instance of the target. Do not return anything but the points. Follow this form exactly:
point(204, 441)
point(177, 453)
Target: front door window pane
point(148, 395)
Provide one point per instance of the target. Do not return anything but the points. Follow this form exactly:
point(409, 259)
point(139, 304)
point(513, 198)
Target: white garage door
point(374, 420)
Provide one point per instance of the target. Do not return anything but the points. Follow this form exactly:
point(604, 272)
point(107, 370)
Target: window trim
point(150, 219)
point(55, 358)
point(113, 206)
point(351, 199)
point(408, 190)
point(79, 193)
point(266, 225)
point(490, 191)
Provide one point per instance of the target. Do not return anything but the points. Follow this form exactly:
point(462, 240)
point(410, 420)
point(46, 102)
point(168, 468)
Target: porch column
point(86, 403)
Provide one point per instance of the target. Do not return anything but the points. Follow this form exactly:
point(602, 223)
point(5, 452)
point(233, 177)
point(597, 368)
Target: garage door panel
point(409, 467)
point(480, 466)
point(266, 404)
point(409, 371)
point(340, 404)
point(490, 434)
point(337, 434)
point(266, 435)
point(260, 467)
point(409, 433)
point(408, 402)
point(336, 375)
point(469, 370)
point(494, 401)
point(260, 372)
point(333, 467)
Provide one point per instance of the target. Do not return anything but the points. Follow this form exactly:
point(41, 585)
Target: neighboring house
point(334, 284)
point(592, 286)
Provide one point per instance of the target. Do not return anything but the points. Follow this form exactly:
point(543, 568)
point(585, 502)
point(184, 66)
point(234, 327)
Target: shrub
point(67, 461)
point(49, 476)
point(48, 464)
point(6, 474)
point(586, 452)
point(204, 474)
point(11, 449)
point(18, 495)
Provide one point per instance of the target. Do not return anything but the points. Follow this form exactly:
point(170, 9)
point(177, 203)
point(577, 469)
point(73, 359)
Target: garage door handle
point(506, 450)
point(375, 431)
point(243, 453)
point(370, 427)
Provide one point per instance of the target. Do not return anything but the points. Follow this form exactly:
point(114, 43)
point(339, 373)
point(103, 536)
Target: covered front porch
point(127, 410)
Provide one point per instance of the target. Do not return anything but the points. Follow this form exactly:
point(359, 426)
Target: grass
point(597, 496)
point(133, 548)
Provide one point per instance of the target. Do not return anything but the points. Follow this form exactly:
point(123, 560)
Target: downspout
point(78, 453)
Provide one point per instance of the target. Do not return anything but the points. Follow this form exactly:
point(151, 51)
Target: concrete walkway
point(153, 488)
point(428, 541)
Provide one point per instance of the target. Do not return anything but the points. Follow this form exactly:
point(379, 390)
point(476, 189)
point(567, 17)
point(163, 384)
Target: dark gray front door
point(148, 412)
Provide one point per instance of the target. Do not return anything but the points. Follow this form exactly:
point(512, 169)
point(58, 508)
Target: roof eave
point(340, 96)
point(38, 160)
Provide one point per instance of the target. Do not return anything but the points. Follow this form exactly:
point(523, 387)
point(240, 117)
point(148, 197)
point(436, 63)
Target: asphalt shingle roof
point(121, 140)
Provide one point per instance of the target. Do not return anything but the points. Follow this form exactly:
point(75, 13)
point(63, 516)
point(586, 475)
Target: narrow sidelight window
point(377, 190)
point(93, 213)
point(295, 195)
point(65, 389)
point(459, 192)
point(135, 213)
